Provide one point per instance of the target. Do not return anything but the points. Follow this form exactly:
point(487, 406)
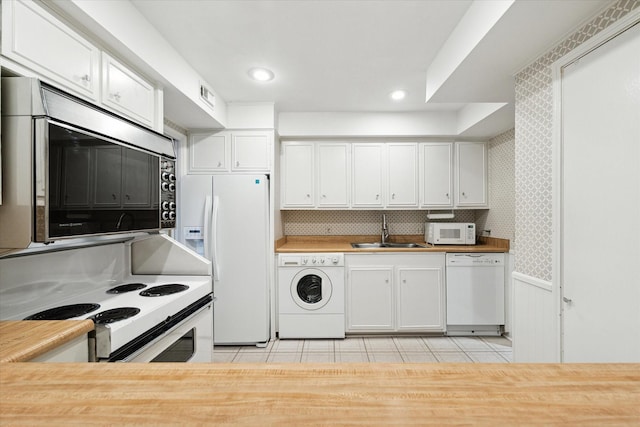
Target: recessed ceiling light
point(397, 95)
point(261, 74)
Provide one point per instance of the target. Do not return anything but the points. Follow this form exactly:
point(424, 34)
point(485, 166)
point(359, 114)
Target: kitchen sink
point(385, 245)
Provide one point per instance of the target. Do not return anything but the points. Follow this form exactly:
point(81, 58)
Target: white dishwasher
point(475, 293)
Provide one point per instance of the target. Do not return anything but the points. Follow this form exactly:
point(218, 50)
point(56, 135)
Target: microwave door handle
point(214, 240)
point(207, 231)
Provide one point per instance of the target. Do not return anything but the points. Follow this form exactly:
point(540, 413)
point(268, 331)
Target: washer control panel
point(311, 260)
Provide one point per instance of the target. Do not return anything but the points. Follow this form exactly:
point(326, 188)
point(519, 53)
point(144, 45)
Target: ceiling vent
point(207, 96)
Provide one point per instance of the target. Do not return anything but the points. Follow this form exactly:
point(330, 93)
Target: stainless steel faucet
point(385, 229)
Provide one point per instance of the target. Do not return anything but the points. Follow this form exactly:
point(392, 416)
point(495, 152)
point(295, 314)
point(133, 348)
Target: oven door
point(189, 341)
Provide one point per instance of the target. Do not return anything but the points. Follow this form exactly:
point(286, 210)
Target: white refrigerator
point(226, 219)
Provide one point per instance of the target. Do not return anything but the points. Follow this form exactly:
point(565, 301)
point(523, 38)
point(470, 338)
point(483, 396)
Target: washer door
point(311, 289)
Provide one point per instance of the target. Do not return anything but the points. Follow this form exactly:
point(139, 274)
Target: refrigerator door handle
point(207, 223)
point(214, 227)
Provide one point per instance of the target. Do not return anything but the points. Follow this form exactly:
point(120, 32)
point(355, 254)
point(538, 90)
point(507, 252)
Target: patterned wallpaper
point(500, 219)
point(533, 147)
point(353, 222)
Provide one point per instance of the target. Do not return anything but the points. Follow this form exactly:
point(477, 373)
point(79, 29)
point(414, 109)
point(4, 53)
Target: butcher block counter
point(24, 340)
point(302, 244)
point(319, 394)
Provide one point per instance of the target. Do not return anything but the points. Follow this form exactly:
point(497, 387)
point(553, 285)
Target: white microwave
point(450, 233)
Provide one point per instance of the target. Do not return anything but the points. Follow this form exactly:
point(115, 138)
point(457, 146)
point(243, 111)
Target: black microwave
point(72, 169)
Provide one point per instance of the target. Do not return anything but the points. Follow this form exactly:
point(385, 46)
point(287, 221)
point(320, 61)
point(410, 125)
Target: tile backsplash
point(309, 223)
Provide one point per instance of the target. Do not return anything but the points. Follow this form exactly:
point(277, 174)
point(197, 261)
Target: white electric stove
point(137, 319)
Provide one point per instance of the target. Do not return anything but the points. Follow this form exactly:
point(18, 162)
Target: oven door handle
point(214, 227)
point(207, 231)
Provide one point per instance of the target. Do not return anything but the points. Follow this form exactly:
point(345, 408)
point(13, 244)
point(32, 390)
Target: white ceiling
point(348, 55)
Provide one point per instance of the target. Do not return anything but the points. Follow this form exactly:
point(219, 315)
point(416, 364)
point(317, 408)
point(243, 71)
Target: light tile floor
point(410, 349)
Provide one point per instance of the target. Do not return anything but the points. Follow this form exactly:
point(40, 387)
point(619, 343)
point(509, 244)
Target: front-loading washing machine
point(311, 295)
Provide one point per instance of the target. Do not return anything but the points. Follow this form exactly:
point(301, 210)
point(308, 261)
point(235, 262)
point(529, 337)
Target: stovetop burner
point(115, 314)
point(129, 287)
point(64, 312)
point(161, 290)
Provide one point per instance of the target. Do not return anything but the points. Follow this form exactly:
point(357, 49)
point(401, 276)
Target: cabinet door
point(107, 179)
point(367, 175)
point(76, 187)
point(436, 182)
point(471, 170)
point(370, 302)
point(402, 161)
point(126, 92)
point(250, 151)
point(136, 184)
point(35, 39)
point(209, 152)
point(420, 299)
point(297, 175)
point(333, 175)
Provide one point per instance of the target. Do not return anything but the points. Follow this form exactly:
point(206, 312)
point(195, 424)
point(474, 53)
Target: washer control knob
point(334, 260)
point(313, 260)
point(321, 260)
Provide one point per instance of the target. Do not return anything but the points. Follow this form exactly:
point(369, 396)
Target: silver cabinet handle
point(447, 194)
point(393, 196)
point(116, 96)
point(377, 196)
point(85, 78)
point(237, 163)
point(567, 300)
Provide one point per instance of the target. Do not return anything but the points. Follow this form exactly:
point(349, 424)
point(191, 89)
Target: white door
point(367, 175)
point(600, 202)
point(437, 188)
point(370, 304)
point(420, 299)
point(471, 170)
point(333, 175)
point(402, 161)
point(297, 175)
point(250, 151)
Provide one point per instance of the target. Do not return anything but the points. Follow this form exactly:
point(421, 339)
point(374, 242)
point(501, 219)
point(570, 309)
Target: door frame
point(618, 27)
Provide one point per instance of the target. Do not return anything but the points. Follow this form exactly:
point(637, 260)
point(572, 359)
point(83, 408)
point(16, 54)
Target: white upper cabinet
point(126, 92)
point(209, 152)
point(333, 175)
point(35, 39)
point(471, 174)
point(402, 176)
point(367, 175)
point(297, 169)
point(37, 44)
point(230, 150)
point(390, 175)
point(436, 175)
point(250, 151)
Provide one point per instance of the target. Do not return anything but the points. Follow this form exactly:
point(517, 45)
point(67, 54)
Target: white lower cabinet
point(395, 292)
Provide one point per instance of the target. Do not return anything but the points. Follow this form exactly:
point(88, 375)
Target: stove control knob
point(172, 177)
point(165, 206)
point(165, 186)
point(165, 176)
point(172, 187)
point(165, 215)
point(172, 206)
point(172, 215)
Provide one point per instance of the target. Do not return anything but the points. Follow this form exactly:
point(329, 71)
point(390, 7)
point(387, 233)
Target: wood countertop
point(304, 244)
point(319, 394)
point(23, 340)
